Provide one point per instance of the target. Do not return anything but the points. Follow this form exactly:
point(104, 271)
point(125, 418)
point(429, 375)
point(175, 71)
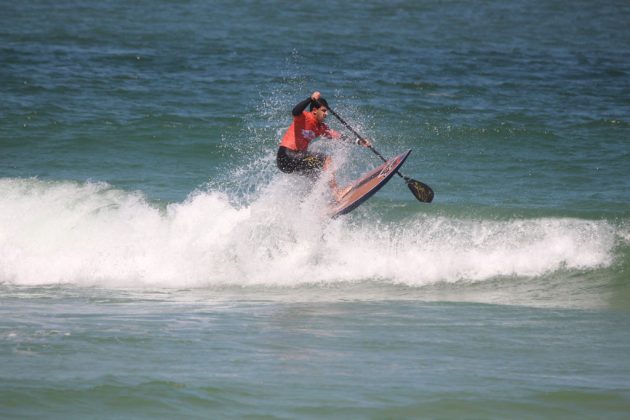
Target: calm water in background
point(153, 262)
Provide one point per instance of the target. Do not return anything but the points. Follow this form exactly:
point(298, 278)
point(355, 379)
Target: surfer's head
point(318, 103)
point(320, 109)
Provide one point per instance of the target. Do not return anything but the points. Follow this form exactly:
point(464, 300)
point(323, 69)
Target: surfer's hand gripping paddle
point(420, 190)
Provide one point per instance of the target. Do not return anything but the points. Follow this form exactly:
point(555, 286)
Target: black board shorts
point(302, 162)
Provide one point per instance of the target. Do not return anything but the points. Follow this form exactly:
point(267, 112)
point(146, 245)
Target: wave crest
point(93, 234)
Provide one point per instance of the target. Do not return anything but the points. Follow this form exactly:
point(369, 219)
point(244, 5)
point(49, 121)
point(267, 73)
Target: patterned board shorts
point(302, 162)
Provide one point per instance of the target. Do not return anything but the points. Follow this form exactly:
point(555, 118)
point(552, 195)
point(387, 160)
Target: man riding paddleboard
point(293, 154)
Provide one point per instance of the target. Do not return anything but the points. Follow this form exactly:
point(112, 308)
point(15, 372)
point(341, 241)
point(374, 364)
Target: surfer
point(293, 154)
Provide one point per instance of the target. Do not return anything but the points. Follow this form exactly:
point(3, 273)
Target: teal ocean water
point(154, 263)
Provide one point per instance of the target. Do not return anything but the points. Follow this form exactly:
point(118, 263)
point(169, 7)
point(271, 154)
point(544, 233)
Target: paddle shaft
point(349, 127)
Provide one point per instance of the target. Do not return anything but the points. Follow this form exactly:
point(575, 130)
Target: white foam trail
point(92, 234)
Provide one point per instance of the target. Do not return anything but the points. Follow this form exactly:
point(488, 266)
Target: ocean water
point(154, 263)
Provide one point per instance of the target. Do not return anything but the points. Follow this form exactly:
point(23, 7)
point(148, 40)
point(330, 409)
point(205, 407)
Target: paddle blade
point(420, 190)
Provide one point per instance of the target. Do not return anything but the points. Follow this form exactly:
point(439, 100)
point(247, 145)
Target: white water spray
point(92, 234)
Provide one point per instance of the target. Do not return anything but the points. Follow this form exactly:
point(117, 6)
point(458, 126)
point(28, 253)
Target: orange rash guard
point(305, 129)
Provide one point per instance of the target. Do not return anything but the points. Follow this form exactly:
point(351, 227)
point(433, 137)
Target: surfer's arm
point(350, 139)
point(299, 108)
point(335, 135)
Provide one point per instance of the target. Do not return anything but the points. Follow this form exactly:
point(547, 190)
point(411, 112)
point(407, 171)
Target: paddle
point(420, 190)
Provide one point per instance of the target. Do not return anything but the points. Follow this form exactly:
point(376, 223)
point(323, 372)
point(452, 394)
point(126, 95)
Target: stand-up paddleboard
point(366, 186)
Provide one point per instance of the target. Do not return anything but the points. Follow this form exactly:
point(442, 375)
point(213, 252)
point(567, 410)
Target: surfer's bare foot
point(339, 193)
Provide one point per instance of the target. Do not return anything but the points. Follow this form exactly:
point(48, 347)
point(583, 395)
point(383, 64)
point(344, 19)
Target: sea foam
point(95, 235)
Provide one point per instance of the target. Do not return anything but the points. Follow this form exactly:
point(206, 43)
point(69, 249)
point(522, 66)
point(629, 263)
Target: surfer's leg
point(337, 192)
point(285, 162)
point(332, 183)
point(309, 164)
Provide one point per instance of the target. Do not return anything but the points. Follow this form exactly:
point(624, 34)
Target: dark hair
point(318, 104)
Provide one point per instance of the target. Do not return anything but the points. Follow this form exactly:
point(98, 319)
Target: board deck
point(366, 186)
